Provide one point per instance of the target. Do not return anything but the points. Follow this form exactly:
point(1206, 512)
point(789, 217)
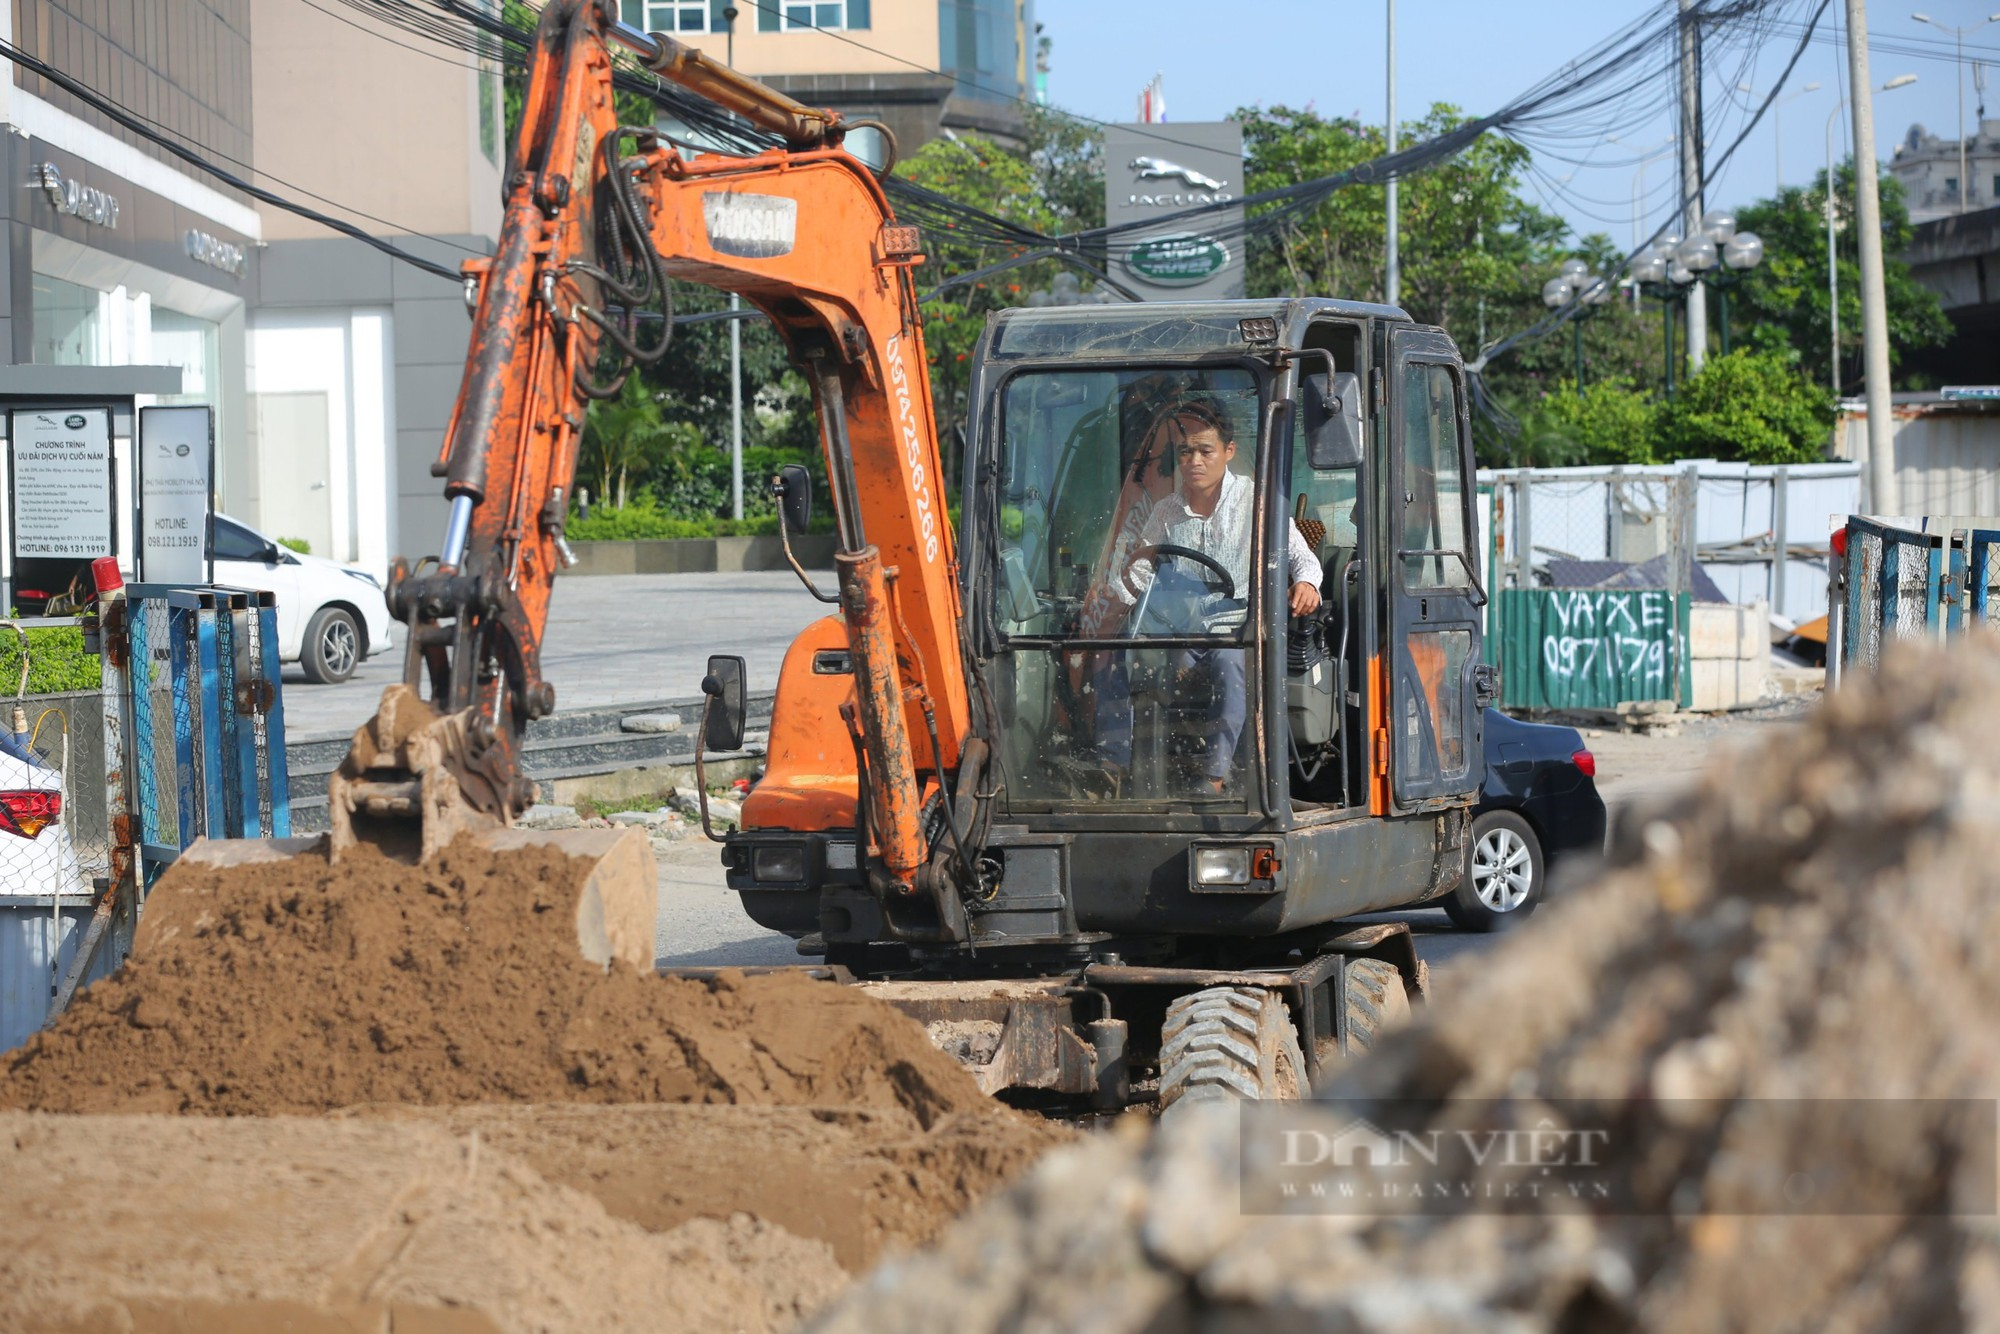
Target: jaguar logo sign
point(1159, 169)
point(1180, 260)
point(76, 199)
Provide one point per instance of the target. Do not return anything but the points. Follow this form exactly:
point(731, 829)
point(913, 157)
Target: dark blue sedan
point(1539, 806)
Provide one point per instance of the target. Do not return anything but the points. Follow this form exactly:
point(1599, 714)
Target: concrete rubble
point(1811, 924)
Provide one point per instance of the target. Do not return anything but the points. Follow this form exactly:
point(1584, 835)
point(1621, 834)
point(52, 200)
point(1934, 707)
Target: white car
point(36, 855)
point(330, 616)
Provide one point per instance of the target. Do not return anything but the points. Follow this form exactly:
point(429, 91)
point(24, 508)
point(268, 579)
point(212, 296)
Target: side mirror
point(722, 715)
point(795, 496)
point(874, 145)
point(1332, 419)
point(271, 555)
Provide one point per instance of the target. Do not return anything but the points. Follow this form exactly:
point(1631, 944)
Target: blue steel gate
point(208, 720)
point(1892, 583)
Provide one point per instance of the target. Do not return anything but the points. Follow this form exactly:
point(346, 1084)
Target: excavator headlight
point(780, 864)
point(1222, 866)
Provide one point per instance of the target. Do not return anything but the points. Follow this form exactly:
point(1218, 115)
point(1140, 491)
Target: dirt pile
point(1813, 924)
point(860, 1180)
point(416, 1106)
point(296, 986)
point(162, 1223)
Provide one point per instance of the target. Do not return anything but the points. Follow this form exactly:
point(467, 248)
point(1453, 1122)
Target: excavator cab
point(1291, 647)
point(1222, 615)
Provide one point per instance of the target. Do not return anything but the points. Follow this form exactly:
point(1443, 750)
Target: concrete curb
point(699, 555)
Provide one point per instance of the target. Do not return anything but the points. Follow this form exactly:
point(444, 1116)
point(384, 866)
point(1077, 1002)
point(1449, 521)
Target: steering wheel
point(1199, 558)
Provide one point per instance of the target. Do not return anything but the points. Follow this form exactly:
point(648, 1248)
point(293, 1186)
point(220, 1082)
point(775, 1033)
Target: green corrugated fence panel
point(1592, 648)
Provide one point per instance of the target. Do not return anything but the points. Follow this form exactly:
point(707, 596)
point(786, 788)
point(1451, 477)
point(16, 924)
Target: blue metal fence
point(208, 723)
point(1893, 583)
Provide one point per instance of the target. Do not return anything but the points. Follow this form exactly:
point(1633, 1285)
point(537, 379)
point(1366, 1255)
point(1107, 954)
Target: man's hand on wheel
point(1305, 599)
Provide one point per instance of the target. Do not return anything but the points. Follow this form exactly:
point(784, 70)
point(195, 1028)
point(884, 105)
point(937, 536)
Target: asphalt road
point(635, 638)
point(700, 923)
point(613, 639)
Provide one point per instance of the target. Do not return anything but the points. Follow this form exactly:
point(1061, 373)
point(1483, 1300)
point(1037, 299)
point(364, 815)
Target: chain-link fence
point(1894, 583)
point(55, 846)
point(1749, 533)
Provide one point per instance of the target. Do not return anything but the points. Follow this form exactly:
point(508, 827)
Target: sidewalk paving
point(615, 639)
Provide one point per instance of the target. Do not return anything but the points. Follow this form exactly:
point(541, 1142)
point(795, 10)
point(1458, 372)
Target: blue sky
point(1477, 56)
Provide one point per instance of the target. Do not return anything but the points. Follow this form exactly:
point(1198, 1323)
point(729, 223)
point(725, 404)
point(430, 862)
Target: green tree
point(976, 171)
point(1610, 422)
point(627, 435)
point(1466, 236)
point(1753, 407)
point(1066, 156)
point(1783, 302)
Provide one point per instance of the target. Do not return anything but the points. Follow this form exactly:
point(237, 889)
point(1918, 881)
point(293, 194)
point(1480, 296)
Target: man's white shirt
point(1223, 536)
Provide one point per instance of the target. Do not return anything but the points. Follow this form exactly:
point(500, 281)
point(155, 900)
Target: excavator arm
point(591, 235)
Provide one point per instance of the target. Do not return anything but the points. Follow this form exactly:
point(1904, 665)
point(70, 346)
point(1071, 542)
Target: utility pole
point(1874, 305)
point(735, 410)
point(1392, 277)
point(1691, 198)
point(735, 344)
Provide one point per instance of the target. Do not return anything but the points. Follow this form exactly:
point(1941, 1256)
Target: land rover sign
point(1158, 171)
point(1177, 261)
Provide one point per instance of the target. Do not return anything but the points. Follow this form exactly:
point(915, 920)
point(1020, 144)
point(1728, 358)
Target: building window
point(979, 44)
point(1951, 186)
point(794, 16)
point(668, 15)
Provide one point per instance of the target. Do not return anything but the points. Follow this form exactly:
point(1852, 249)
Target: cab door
point(1433, 588)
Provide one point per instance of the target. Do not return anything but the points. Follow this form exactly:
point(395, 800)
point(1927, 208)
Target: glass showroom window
point(70, 324)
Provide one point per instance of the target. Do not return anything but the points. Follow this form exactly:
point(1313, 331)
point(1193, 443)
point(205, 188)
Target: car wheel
point(333, 647)
point(1503, 874)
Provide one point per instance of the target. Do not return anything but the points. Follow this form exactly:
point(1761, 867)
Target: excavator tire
point(1376, 1003)
point(1230, 1042)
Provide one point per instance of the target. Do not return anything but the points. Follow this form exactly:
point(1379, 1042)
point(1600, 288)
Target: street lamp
point(1657, 270)
point(1832, 268)
point(1576, 284)
point(1958, 36)
point(1734, 251)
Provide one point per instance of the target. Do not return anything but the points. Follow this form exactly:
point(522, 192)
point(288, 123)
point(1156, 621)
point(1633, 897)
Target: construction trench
point(395, 1098)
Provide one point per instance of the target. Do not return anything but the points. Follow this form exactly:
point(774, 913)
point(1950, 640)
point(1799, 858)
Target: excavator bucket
point(398, 794)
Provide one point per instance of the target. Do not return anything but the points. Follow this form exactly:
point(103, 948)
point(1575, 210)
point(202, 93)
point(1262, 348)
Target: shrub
point(1610, 422)
point(298, 544)
point(645, 520)
point(57, 662)
point(1753, 407)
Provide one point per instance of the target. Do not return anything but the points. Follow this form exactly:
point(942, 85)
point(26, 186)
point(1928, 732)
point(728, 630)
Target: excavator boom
point(598, 219)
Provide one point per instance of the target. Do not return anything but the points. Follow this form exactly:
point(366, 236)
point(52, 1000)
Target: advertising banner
point(176, 466)
point(60, 484)
point(1156, 170)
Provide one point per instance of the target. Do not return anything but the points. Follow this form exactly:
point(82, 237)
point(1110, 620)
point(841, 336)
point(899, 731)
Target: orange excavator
point(1087, 787)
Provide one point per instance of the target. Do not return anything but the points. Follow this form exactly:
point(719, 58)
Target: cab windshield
point(1126, 504)
point(1126, 509)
